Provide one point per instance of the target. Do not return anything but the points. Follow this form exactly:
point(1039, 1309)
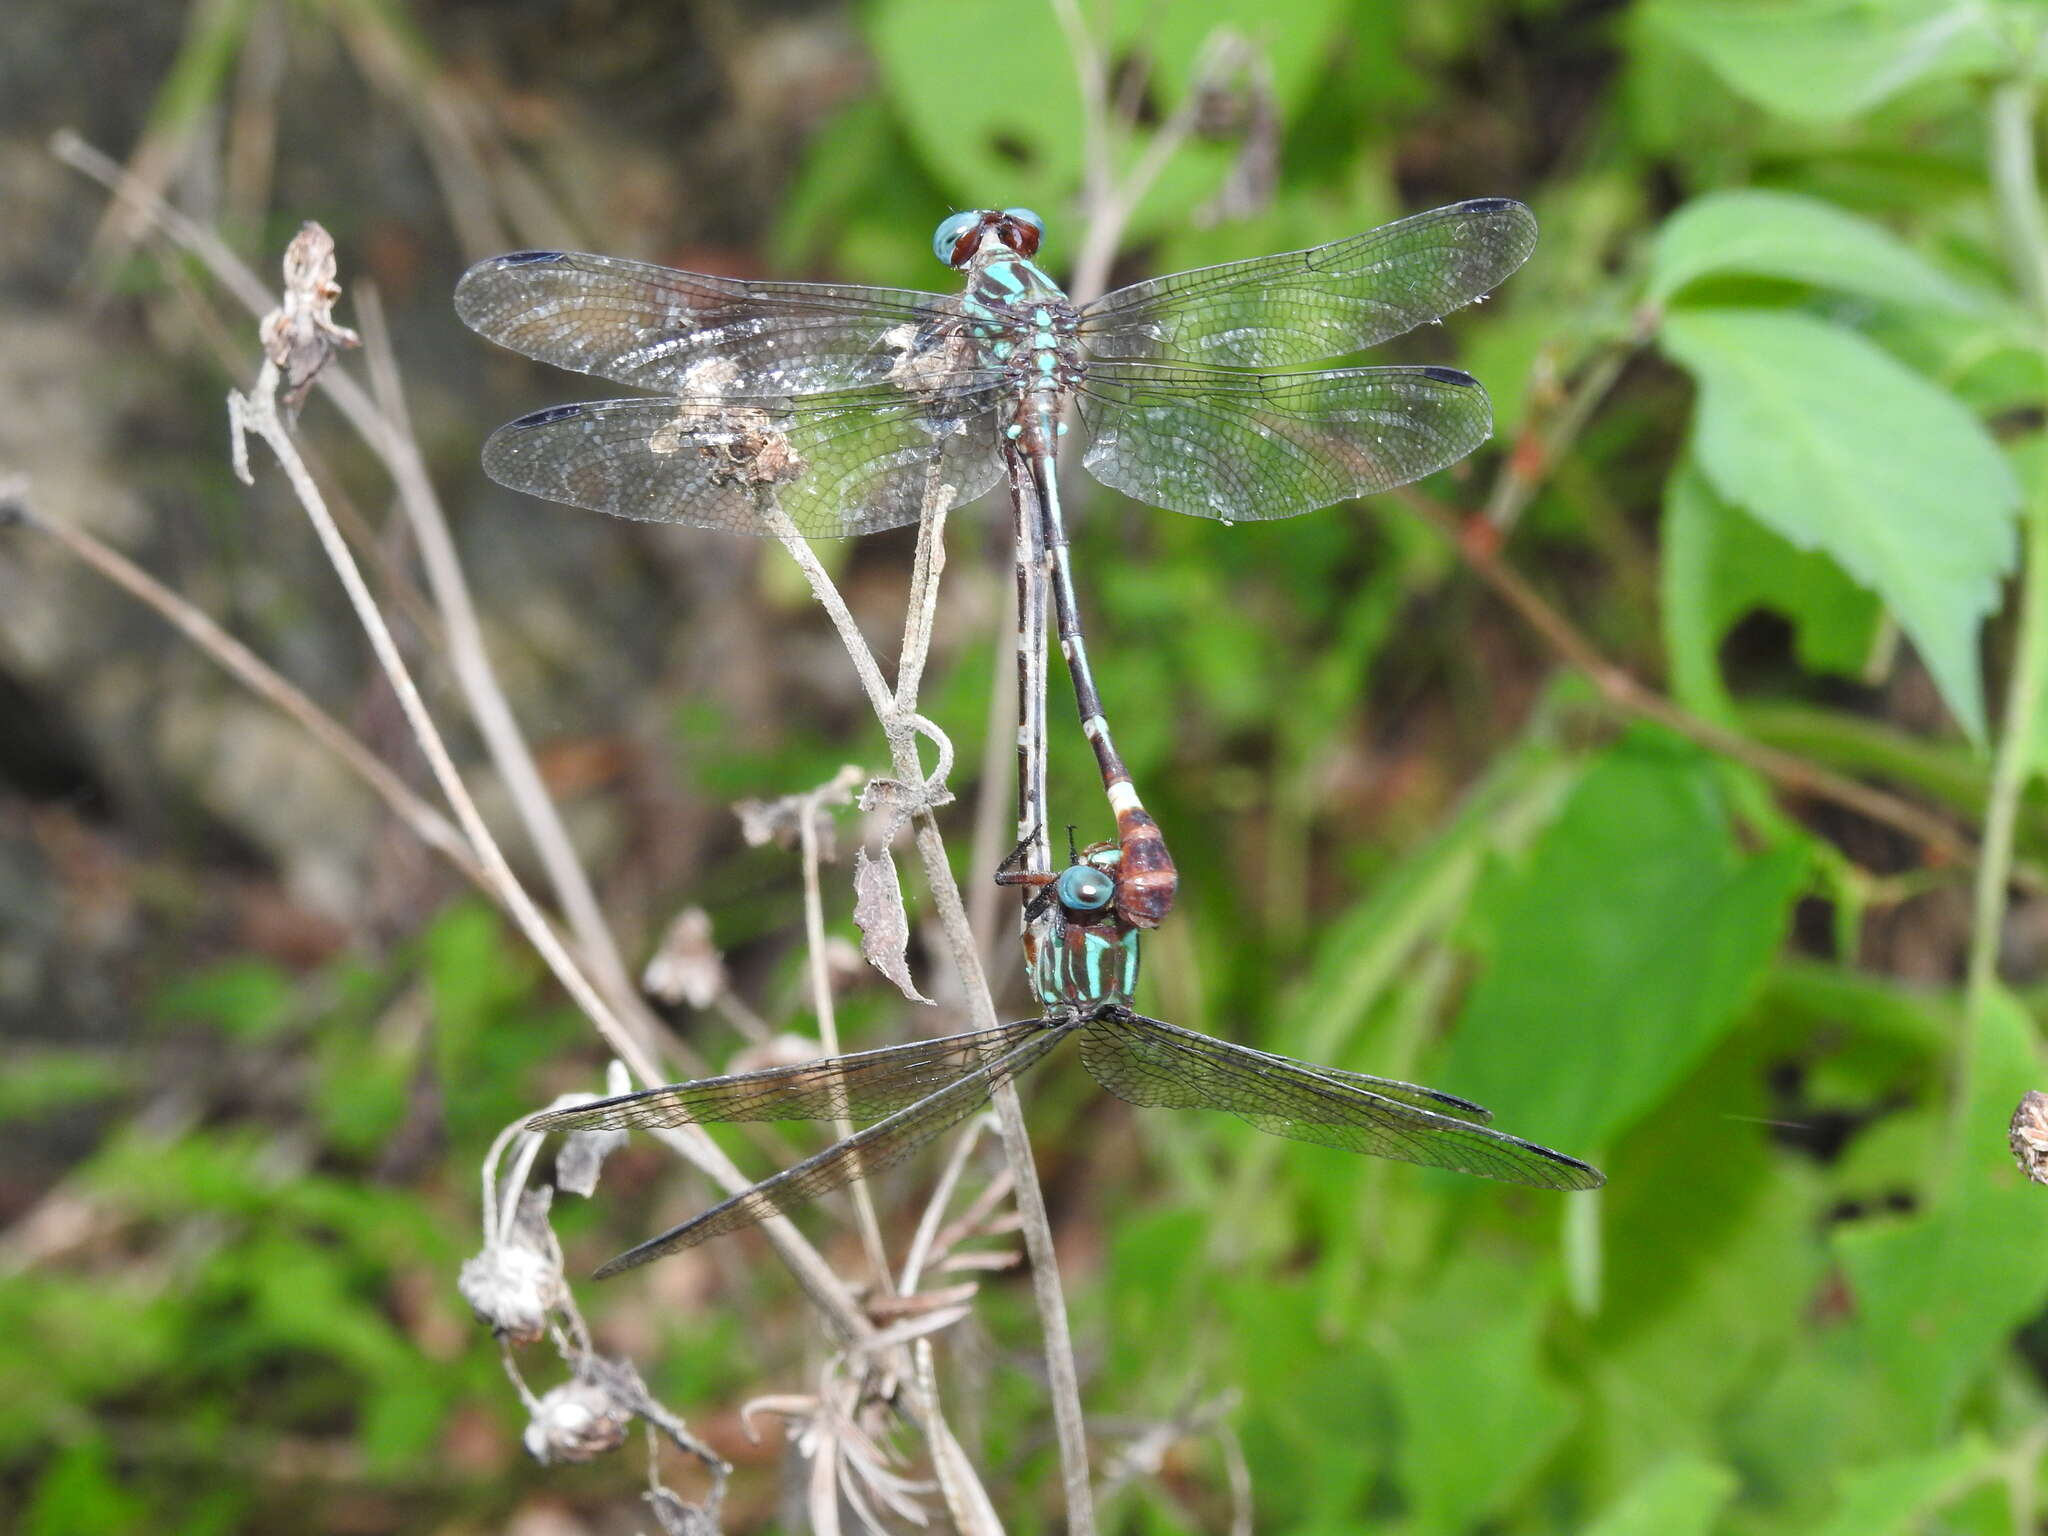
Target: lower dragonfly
point(840, 407)
point(1081, 950)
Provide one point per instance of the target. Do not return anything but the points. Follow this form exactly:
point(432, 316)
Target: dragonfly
point(833, 409)
point(1081, 952)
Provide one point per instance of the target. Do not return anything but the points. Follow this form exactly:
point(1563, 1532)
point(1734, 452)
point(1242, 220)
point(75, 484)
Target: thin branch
point(1624, 692)
point(255, 674)
point(828, 1026)
point(478, 679)
point(257, 413)
point(1525, 467)
point(392, 441)
point(1098, 147)
point(1063, 1380)
point(1110, 207)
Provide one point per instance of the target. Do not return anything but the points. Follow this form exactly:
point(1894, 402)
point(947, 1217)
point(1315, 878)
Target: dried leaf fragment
point(884, 923)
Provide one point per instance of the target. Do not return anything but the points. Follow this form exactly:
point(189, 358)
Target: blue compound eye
point(1084, 888)
point(1026, 216)
point(949, 234)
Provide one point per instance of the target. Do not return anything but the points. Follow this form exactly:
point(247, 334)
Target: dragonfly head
point(1087, 887)
point(1017, 230)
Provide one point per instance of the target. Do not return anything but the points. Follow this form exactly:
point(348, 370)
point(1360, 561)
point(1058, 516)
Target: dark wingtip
point(1442, 375)
point(1488, 204)
point(1583, 1175)
point(542, 417)
point(529, 258)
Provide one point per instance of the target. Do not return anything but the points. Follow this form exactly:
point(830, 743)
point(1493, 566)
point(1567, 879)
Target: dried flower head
point(2028, 1135)
point(586, 1417)
point(301, 335)
point(515, 1284)
point(687, 968)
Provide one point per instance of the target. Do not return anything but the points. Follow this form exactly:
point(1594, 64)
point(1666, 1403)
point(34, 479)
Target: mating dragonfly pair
point(829, 410)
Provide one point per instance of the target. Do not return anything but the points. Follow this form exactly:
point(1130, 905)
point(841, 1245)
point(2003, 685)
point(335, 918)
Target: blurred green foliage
point(1810, 1298)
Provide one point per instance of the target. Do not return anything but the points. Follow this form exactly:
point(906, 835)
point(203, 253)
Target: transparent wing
point(864, 1085)
point(882, 1144)
point(1303, 306)
point(839, 465)
point(650, 327)
point(1412, 1094)
point(1152, 1063)
point(1248, 447)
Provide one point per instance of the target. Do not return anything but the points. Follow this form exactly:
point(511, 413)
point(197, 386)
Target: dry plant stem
point(392, 442)
point(992, 792)
point(258, 413)
point(1033, 583)
point(481, 689)
point(1110, 205)
point(255, 674)
point(1528, 463)
point(1098, 148)
point(828, 1026)
point(1622, 691)
point(1063, 1381)
point(935, 1207)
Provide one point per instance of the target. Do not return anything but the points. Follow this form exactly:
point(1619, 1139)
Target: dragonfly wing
point(839, 465)
point(1148, 1062)
point(1330, 300)
point(654, 328)
point(1435, 1100)
point(864, 1085)
point(886, 1142)
point(1247, 447)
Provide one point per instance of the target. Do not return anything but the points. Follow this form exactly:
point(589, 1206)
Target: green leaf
point(81, 1491)
point(1893, 1498)
point(38, 1082)
point(1938, 1294)
point(1721, 564)
point(1820, 60)
point(1836, 446)
point(248, 998)
point(1622, 953)
point(1800, 239)
point(1680, 1497)
point(1022, 142)
point(1470, 1437)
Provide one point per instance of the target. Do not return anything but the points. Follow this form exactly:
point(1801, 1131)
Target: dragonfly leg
point(1012, 871)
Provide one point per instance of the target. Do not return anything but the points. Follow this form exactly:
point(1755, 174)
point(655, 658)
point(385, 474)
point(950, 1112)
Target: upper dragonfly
point(842, 407)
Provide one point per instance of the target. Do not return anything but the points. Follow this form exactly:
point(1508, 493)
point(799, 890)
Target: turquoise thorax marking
point(1081, 953)
point(1085, 965)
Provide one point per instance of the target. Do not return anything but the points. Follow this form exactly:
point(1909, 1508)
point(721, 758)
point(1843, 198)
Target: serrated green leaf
point(1680, 1497)
point(1801, 239)
point(1624, 950)
point(1939, 1293)
point(1819, 60)
point(1721, 564)
point(1836, 446)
